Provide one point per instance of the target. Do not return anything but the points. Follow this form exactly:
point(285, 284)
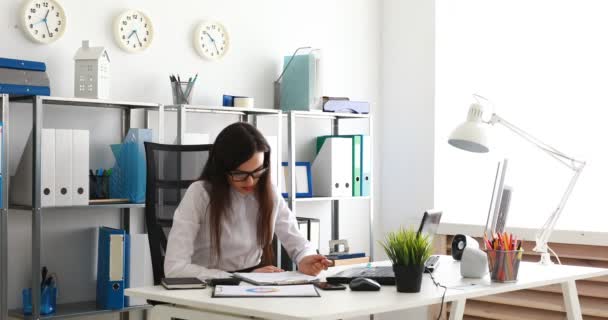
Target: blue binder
point(23, 90)
point(22, 64)
point(112, 268)
point(366, 166)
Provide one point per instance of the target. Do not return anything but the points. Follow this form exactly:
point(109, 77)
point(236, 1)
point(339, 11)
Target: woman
point(227, 219)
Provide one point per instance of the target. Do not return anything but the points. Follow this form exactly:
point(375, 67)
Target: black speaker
point(460, 242)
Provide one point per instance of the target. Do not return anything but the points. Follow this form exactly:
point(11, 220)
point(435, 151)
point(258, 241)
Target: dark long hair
point(236, 144)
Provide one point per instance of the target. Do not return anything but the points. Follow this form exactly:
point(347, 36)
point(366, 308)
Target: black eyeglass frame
point(259, 172)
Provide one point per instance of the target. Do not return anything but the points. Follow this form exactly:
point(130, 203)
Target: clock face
point(43, 20)
point(211, 40)
point(133, 31)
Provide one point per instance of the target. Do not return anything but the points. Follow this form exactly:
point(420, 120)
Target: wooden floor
point(544, 303)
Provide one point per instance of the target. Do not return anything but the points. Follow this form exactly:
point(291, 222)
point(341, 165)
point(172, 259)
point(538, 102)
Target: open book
point(276, 278)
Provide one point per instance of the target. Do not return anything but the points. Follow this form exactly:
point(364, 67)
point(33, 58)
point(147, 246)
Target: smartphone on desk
point(329, 286)
point(223, 281)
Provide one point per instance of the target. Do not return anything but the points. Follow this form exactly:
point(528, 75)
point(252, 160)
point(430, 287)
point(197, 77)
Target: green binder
point(357, 156)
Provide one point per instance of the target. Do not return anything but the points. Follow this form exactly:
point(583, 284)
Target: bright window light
point(544, 66)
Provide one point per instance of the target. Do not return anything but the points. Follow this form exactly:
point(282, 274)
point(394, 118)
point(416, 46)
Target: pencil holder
point(182, 92)
point(48, 300)
point(504, 265)
point(99, 187)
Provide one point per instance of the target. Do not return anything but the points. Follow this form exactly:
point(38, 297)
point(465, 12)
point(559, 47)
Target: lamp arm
point(542, 237)
point(568, 161)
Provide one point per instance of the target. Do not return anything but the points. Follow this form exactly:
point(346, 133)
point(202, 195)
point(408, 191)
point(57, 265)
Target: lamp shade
point(472, 135)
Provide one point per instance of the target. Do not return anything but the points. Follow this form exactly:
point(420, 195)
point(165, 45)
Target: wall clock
point(211, 40)
point(133, 31)
point(43, 21)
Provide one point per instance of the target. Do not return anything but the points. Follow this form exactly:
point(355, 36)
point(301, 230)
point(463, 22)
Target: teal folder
point(297, 85)
point(357, 158)
point(366, 166)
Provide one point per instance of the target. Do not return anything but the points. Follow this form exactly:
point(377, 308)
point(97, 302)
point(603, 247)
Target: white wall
point(261, 32)
point(407, 118)
point(545, 76)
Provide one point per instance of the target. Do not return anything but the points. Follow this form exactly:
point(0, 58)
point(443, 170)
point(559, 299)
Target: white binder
point(21, 184)
point(80, 167)
point(332, 170)
point(196, 138)
point(63, 167)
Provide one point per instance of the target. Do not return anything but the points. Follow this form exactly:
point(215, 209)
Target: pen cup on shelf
point(504, 265)
point(99, 186)
point(48, 300)
point(182, 92)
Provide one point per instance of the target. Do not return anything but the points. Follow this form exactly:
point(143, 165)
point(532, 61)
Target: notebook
point(182, 283)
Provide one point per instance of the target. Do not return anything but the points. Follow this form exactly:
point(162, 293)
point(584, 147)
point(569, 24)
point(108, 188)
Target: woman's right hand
point(268, 269)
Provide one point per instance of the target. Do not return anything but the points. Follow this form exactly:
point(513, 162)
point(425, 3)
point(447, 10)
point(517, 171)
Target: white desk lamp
point(472, 136)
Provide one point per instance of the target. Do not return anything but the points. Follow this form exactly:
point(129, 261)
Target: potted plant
point(407, 250)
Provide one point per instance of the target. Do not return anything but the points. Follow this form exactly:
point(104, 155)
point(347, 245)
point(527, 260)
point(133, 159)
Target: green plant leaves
point(407, 247)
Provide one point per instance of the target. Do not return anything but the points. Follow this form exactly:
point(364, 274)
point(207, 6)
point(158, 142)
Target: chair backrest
point(170, 171)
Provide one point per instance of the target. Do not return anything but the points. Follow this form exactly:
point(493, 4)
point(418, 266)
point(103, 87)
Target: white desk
point(198, 304)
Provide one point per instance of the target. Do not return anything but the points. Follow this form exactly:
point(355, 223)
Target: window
point(543, 64)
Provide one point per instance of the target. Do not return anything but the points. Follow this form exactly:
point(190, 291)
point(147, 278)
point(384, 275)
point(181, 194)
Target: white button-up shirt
point(189, 252)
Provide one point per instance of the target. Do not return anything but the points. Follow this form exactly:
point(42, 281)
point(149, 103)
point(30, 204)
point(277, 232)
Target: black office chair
point(170, 171)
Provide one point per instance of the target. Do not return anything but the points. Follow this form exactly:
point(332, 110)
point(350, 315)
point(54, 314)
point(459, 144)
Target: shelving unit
point(77, 310)
point(39, 103)
point(4, 154)
point(292, 117)
point(246, 115)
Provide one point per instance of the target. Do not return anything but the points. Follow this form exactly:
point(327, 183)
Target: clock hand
point(43, 19)
point(130, 35)
point(47, 28)
point(136, 35)
point(212, 41)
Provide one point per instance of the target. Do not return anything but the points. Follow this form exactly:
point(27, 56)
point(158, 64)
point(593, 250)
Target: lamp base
point(545, 259)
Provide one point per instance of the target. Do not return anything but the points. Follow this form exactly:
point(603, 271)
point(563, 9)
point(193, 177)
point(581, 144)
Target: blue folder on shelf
point(18, 88)
point(24, 90)
point(128, 179)
point(112, 268)
point(22, 64)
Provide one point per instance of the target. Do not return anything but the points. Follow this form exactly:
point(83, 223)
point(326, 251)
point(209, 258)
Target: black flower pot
point(408, 278)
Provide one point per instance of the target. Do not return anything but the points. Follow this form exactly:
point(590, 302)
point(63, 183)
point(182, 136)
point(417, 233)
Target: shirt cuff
point(304, 253)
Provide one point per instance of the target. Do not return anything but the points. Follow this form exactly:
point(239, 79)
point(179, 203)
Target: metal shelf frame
point(4, 153)
point(335, 201)
point(76, 310)
point(39, 104)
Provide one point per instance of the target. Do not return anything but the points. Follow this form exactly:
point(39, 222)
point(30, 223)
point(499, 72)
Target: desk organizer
point(48, 300)
point(504, 265)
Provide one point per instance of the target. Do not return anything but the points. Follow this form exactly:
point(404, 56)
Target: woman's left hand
point(312, 265)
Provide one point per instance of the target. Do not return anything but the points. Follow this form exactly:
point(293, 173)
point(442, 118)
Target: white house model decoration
point(91, 72)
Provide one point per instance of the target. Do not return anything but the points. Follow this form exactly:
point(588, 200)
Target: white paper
point(306, 290)
point(276, 278)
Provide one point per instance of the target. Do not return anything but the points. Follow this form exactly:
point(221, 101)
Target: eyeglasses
point(240, 176)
